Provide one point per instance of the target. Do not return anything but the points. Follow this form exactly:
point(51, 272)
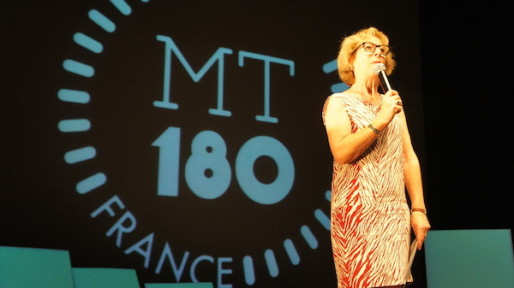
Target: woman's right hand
point(391, 105)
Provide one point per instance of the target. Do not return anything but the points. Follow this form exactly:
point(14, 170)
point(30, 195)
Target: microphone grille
point(379, 67)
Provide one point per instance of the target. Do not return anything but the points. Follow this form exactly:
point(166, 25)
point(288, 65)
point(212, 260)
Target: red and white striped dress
point(370, 219)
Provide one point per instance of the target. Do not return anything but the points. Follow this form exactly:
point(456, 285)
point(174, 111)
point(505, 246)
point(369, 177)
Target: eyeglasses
point(370, 48)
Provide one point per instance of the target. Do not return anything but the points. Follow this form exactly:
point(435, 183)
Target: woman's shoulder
point(339, 94)
point(337, 101)
point(342, 97)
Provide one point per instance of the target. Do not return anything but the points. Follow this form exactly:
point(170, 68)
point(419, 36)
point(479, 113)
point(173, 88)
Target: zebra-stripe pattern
point(370, 219)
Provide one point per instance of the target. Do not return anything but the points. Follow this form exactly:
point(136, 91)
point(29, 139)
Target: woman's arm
point(345, 145)
point(414, 185)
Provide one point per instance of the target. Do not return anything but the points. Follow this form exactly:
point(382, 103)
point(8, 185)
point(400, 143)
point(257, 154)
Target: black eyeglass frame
point(376, 46)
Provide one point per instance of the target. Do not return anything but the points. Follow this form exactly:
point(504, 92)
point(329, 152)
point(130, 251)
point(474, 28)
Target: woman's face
point(367, 56)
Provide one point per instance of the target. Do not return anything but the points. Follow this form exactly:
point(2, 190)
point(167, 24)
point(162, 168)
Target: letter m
point(171, 49)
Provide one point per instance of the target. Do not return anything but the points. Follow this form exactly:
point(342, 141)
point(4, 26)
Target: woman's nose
point(378, 51)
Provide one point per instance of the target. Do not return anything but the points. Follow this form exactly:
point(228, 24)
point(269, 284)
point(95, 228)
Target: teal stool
point(22, 267)
point(104, 278)
point(469, 259)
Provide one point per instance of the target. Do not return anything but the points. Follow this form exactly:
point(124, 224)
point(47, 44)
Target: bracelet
point(375, 130)
point(422, 210)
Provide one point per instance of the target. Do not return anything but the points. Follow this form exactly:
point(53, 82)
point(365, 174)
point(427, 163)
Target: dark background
point(462, 134)
point(467, 101)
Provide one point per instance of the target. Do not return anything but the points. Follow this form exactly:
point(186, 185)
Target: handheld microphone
point(380, 71)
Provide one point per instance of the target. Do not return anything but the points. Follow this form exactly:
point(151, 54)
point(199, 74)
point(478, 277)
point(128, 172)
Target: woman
point(374, 165)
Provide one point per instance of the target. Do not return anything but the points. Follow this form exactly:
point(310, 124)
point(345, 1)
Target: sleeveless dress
point(370, 218)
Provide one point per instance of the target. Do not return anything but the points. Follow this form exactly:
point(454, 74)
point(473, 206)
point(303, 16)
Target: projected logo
point(197, 185)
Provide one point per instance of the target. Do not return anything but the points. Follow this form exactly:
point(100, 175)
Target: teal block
point(179, 285)
point(104, 278)
point(469, 259)
point(22, 267)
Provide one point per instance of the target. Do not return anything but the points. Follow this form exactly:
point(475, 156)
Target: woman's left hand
point(420, 226)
